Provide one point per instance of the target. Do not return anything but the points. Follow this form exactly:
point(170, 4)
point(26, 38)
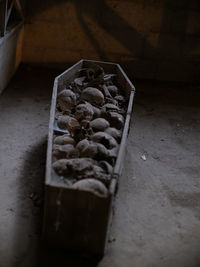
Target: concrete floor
point(157, 216)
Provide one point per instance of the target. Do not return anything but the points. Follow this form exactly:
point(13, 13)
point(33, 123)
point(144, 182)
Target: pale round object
point(64, 151)
point(84, 112)
point(93, 95)
point(110, 107)
point(114, 133)
point(78, 165)
point(107, 140)
point(64, 140)
point(99, 124)
point(92, 149)
point(66, 100)
point(82, 144)
point(91, 185)
point(113, 90)
point(68, 123)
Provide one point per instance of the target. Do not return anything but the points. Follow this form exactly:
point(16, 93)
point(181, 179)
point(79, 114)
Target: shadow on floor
point(31, 87)
point(52, 257)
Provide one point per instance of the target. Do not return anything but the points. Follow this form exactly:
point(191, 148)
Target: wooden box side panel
point(124, 81)
point(120, 158)
point(129, 90)
point(76, 220)
point(68, 75)
point(50, 134)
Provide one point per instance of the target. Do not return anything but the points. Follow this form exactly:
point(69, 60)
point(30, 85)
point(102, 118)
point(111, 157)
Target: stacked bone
point(91, 110)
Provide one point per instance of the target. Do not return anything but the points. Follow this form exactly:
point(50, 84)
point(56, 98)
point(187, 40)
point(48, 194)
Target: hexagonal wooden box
point(74, 219)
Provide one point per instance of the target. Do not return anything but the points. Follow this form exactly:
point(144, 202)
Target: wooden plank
point(76, 220)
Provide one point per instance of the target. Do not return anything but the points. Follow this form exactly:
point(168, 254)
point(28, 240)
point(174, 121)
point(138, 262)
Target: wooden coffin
point(74, 219)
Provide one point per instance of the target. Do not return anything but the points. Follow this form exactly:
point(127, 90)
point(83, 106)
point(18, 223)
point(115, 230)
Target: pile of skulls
point(90, 118)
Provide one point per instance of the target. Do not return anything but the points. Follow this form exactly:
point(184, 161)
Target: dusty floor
point(157, 217)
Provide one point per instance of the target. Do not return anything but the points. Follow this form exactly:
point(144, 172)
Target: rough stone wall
point(152, 39)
